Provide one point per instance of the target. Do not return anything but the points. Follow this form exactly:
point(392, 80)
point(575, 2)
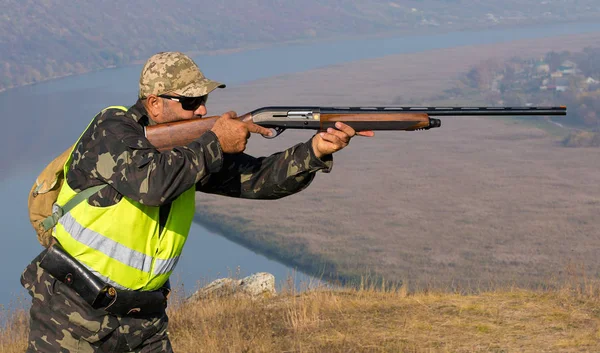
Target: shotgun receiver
point(278, 119)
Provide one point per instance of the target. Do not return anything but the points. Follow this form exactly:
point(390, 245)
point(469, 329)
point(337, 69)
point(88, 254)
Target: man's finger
point(230, 114)
point(259, 129)
point(345, 128)
point(368, 133)
point(332, 138)
point(343, 136)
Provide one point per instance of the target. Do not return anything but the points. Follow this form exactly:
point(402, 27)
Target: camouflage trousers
point(61, 321)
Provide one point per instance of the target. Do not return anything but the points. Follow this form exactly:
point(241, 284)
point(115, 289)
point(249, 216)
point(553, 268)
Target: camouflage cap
point(174, 73)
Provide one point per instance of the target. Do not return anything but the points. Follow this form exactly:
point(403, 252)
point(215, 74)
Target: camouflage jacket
point(114, 150)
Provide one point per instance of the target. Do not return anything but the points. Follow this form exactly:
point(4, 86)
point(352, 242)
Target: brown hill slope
point(477, 201)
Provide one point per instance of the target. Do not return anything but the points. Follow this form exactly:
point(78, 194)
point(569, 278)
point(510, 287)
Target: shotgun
point(278, 119)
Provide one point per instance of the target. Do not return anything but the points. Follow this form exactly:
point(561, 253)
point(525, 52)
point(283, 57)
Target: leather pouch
point(69, 271)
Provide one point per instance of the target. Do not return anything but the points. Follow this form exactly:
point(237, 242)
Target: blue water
point(46, 118)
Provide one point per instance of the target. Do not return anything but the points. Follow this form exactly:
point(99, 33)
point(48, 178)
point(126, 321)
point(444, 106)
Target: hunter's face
point(174, 111)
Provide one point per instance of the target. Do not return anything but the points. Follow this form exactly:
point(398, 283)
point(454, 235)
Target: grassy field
point(476, 202)
point(370, 319)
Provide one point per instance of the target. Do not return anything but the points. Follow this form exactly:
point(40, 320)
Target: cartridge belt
point(98, 294)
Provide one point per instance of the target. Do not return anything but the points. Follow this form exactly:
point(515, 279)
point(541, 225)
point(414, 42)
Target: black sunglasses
point(188, 103)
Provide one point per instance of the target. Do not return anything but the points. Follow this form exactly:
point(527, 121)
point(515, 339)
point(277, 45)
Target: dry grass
point(376, 319)
point(14, 328)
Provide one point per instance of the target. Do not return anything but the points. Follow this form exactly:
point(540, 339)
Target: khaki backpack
point(43, 195)
point(44, 213)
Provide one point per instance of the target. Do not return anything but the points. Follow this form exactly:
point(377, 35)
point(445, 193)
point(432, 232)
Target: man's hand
point(334, 140)
point(233, 134)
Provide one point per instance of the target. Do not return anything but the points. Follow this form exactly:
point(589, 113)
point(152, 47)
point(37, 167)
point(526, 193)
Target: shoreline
point(233, 230)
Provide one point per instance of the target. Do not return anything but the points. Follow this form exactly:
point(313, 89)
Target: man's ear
point(154, 106)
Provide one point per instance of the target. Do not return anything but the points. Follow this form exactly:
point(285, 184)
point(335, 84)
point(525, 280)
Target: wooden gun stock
point(180, 133)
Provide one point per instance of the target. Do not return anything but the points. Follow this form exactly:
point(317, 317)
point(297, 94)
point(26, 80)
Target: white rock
point(256, 285)
point(261, 283)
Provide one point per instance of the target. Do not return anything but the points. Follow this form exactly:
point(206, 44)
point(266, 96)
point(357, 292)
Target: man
point(130, 234)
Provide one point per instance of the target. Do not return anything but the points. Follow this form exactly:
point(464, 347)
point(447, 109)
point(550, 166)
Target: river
point(42, 120)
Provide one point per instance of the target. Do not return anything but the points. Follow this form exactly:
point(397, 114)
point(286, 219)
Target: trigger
point(276, 131)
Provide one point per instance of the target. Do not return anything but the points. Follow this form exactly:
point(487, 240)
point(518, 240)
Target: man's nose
point(201, 110)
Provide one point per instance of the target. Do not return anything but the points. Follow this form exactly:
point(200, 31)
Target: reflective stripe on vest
point(121, 243)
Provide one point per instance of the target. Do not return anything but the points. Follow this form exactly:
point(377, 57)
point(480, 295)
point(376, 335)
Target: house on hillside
point(542, 68)
point(561, 84)
point(545, 85)
point(591, 81)
point(568, 67)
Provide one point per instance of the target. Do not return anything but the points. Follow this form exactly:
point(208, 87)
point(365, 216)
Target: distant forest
point(46, 39)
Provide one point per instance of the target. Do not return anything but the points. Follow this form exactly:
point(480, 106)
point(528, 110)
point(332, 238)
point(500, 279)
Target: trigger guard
point(276, 132)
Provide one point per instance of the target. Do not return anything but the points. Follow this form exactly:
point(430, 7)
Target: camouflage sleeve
point(114, 150)
point(272, 177)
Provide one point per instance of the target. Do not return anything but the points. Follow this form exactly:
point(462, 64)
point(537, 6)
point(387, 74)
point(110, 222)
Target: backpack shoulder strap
point(59, 211)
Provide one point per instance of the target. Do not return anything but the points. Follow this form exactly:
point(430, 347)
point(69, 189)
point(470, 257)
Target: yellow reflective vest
point(121, 243)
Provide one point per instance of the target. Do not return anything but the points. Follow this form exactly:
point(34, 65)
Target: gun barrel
point(453, 111)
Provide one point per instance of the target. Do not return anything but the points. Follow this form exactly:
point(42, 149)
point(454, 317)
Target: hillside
point(477, 201)
point(379, 320)
point(54, 38)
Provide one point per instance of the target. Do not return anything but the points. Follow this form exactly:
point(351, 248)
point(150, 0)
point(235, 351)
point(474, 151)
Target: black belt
point(99, 294)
